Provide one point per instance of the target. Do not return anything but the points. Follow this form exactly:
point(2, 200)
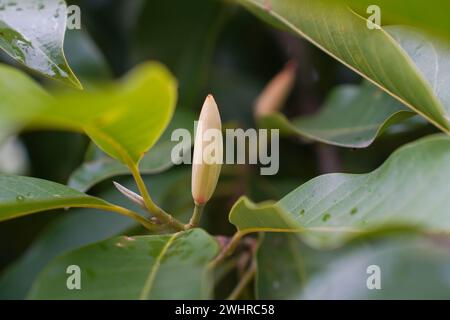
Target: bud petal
point(208, 152)
point(276, 91)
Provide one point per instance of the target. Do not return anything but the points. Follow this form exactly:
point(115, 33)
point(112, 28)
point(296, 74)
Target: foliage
point(373, 102)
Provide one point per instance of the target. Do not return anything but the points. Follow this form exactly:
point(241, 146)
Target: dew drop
point(20, 198)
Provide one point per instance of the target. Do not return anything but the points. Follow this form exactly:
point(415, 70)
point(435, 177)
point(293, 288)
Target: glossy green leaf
point(32, 32)
point(80, 227)
point(287, 269)
point(428, 15)
point(408, 191)
point(343, 34)
point(352, 116)
point(143, 267)
point(24, 195)
point(98, 166)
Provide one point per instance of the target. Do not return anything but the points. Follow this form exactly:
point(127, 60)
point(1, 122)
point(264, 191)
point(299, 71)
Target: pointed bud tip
point(210, 101)
point(210, 114)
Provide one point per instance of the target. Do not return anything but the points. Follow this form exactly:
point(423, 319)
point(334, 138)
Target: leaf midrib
point(150, 280)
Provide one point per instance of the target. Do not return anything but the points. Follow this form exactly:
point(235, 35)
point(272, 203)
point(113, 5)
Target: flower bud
point(275, 93)
point(208, 152)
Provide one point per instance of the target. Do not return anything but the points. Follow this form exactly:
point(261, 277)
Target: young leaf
point(124, 120)
point(288, 269)
point(32, 32)
point(144, 267)
point(24, 195)
point(409, 190)
point(343, 34)
point(98, 166)
point(20, 99)
point(353, 116)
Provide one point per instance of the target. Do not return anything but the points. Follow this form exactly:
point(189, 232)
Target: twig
point(196, 216)
point(243, 282)
point(159, 213)
point(228, 249)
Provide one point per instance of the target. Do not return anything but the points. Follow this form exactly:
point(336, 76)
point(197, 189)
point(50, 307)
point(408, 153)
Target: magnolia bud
point(208, 152)
point(276, 91)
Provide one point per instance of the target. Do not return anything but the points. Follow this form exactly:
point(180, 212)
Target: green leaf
point(80, 227)
point(32, 32)
point(86, 59)
point(24, 195)
point(352, 116)
point(408, 191)
point(416, 13)
point(403, 262)
point(280, 267)
point(98, 166)
point(69, 231)
point(344, 35)
point(143, 267)
point(124, 120)
point(287, 269)
point(16, 84)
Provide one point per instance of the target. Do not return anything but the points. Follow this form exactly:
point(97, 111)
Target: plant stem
point(151, 207)
point(243, 282)
point(228, 250)
point(196, 216)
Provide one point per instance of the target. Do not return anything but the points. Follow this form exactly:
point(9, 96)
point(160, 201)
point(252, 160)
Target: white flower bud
point(208, 152)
